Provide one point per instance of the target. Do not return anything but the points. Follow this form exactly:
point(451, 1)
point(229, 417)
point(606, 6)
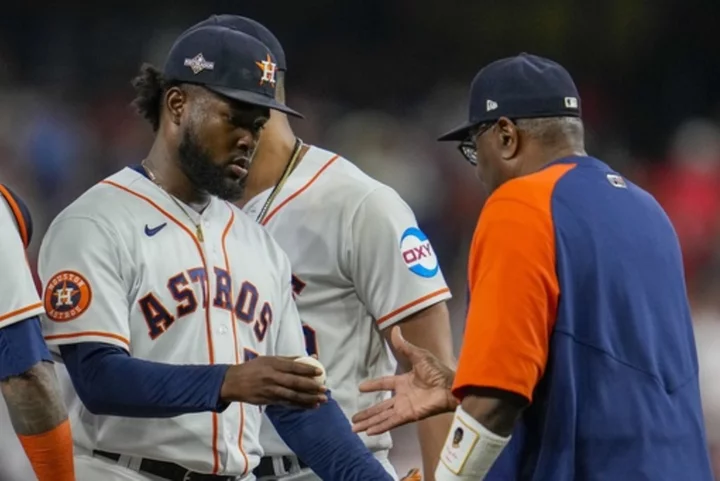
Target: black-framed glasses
point(468, 147)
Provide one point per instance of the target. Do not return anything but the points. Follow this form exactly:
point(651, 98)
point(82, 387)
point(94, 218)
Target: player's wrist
point(229, 387)
point(449, 378)
point(451, 402)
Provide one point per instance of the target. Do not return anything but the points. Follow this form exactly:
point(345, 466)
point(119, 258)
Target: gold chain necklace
point(278, 187)
point(198, 227)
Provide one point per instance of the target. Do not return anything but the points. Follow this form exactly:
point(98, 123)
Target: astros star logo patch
point(268, 68)
point(67, 295)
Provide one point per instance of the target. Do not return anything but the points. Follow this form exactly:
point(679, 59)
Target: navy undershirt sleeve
point(21, 347)
point(110, 382)
point(324, 440)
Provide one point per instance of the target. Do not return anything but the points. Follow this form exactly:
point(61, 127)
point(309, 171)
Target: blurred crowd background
point(378, 80)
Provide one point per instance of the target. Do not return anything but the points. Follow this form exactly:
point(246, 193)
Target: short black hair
point(150, 87)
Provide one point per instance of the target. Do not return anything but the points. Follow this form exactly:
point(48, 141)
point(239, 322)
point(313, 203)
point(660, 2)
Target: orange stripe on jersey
point(300, 190)
point(75, 335)
point(514, 288)
point(235, 341)
point(17, 212)
point(412, 304)
point(16, 312)
point(211, 351)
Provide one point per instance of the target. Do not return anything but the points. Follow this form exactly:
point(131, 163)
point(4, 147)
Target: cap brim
point(254, 98)
point(459, 133)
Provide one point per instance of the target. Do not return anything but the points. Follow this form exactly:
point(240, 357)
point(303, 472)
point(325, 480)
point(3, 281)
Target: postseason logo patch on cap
point(198, 63)
point(417, 253)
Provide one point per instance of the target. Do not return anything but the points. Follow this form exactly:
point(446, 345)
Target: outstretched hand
point(420, 393)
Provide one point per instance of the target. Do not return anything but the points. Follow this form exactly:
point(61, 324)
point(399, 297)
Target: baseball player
point(27, 378)
point(171, 309)
point(578, 360)
point(360, 265)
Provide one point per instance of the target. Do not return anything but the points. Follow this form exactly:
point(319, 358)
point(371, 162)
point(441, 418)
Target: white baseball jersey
point(19, 299)
point(122, 265)
point(360, 264)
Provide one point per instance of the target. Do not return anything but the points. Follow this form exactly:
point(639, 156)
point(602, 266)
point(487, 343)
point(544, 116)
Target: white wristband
point(470, 450)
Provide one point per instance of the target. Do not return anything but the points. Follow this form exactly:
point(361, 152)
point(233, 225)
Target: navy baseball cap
point(251, 27)
point(521, 87)
point(228, 62)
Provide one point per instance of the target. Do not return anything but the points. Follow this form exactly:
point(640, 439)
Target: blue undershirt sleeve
point(324, 440)
point(111, 382)
point(21, 347)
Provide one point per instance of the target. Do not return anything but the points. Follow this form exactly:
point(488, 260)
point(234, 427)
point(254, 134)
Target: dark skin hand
point(34, 401)
point(424, 391)
point(273, 380)
point(421, 392)
point(429, 329)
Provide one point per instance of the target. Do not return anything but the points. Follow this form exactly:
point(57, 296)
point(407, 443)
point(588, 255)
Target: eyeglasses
point(468, 146)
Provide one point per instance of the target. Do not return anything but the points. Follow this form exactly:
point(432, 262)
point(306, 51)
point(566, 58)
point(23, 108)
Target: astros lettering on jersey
point(19, 298)
point(360, 265)
point(122, 265)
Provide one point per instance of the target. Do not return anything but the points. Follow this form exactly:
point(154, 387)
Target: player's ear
point(508, 137)
point(175, 103)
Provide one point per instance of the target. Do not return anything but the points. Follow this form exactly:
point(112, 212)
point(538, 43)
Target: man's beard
point(196, 163)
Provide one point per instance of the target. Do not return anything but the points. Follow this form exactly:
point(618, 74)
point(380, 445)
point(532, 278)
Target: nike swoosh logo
point(151, 232)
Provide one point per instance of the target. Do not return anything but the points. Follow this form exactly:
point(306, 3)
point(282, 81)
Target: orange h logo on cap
point(268, 68)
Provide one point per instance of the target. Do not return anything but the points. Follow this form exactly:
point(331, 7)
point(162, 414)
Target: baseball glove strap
point(165, 470)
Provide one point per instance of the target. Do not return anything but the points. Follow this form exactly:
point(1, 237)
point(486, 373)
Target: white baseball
point(311, 361)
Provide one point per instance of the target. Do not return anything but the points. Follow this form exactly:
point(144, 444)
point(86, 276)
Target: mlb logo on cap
point(571, 102)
